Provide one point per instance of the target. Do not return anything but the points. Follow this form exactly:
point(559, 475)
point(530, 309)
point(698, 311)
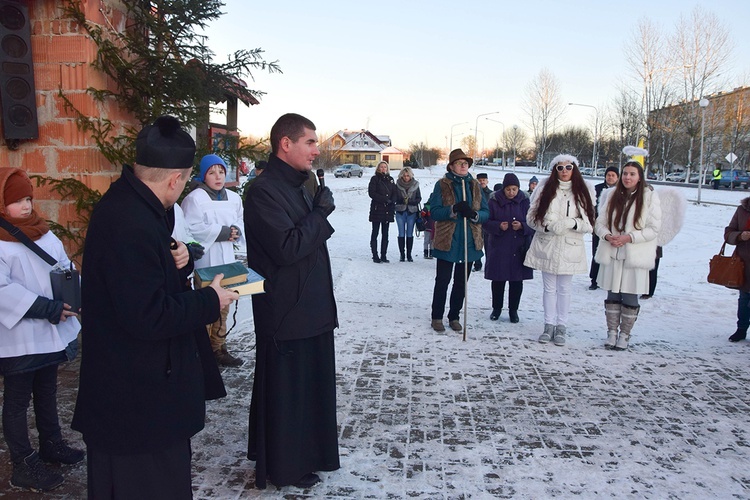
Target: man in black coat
point(147, 368)
point(292, 432)
point(611, 176)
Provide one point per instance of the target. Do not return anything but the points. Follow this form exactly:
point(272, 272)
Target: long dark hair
point(622, 202)
point(580, 194)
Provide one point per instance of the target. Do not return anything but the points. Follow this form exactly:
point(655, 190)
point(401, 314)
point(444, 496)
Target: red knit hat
point(17, 187)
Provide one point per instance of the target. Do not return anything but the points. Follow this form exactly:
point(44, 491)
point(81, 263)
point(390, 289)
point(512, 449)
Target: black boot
point(740, 334)
point(374, 249)
point(401, 248)
point(514, 299)
point(409, 246)
point(384, 249)
point(426, 254)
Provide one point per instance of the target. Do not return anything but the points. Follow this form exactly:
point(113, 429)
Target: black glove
point(470, 214)
point(461, 207)
point(196, 250)
point(323, 201)
point(44, 308)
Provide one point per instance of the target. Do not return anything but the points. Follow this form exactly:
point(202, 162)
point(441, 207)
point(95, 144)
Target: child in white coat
point(213, 215)
point(37, 333)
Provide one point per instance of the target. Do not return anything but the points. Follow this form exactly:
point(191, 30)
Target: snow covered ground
point(425, 415)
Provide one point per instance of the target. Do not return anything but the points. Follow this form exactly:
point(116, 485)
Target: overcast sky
point(414, 69)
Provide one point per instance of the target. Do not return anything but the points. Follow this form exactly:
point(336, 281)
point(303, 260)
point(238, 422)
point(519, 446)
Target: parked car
point(587, 171)
point(675, 177)
point(734, 179)
point(348, 170)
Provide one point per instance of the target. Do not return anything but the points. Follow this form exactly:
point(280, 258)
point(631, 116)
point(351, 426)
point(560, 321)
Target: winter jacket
point(740, 222)
point(506, 249)
point(448, 243)
point(557, 246)
point(382, 190)
point(408, 200)
point(641, 253)
point(144, 376)
point(286, 244)
point(206, 218)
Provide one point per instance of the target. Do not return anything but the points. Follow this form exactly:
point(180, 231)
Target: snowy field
point(425, 415)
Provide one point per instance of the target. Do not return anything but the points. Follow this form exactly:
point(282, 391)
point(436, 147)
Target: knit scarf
point(33, 226)
point(407, 188)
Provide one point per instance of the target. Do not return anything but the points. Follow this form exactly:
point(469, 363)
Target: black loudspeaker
point(17, 72)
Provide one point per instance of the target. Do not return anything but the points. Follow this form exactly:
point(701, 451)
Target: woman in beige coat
point(561, 212)
point(628, 224)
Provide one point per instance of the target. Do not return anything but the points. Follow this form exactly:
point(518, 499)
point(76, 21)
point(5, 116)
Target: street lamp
point(503, 136)
point(703, 103)
point(596, 126)
point(515, 140)
point(456, 125)
point(476, 146)
point(476, 125)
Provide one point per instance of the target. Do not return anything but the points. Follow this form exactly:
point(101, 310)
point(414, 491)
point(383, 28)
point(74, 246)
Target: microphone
point(320, 173)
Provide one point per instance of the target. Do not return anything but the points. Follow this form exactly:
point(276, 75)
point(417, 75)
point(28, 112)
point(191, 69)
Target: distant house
point(394, 157)
point(361, 147)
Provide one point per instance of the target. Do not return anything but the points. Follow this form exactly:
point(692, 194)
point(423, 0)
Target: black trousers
point(18, 389)
point(594, 264)
point(514, 294)
point(376, 227)
point(442, 279)
point(164, 474)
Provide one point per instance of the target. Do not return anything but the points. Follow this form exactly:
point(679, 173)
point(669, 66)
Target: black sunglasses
point(560, 168)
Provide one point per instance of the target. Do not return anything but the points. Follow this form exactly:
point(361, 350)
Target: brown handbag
point(728, 271)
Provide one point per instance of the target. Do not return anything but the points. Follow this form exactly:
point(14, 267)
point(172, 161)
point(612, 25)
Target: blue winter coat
point(505, 249)
point(441, 212)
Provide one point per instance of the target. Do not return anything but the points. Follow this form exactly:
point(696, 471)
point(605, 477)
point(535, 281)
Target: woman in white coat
point(628, 225)
point(561, 212)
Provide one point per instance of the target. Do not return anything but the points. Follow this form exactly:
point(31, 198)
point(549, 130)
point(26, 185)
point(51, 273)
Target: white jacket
point(641, 253)
point(558, 246)
point(206, 217)
point(24, 276)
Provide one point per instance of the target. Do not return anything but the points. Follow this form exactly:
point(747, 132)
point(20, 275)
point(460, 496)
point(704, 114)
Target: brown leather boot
point(223, 358)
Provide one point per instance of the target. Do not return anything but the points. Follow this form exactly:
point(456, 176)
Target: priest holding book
point(292, 432)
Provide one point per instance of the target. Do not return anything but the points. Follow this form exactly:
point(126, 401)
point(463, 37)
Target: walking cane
point(466, 262)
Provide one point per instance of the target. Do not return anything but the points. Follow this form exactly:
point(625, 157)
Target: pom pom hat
point(207, 162)
point(164, 145)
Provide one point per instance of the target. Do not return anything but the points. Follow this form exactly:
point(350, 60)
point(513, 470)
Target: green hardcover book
point(237, 277)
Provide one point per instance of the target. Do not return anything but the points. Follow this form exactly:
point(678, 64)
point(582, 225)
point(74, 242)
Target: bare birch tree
point(702, 46)
point(544, 106)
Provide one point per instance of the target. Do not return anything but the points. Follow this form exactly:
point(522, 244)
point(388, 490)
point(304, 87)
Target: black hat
point(612, 169)
point(497, 187)
point(164, 145)
point(482, 176)
point(510, 179)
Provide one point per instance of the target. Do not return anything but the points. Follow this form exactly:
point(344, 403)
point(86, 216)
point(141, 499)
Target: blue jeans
point(405, 223)
point(743, 310)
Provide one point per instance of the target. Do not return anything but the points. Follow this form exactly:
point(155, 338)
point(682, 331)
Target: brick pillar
point(62, 52)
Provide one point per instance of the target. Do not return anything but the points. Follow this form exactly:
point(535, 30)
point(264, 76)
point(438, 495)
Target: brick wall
point(62, 52)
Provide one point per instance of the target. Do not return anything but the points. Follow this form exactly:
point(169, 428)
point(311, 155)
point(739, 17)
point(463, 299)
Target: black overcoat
point(286, 244)
point(143, 381)
point(384, 193)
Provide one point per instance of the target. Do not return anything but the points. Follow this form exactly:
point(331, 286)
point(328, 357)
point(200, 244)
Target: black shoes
point(495, 314)
point(384, 260)
point(376, 259)
point(31, 473)
point(593, 286)
point(478, 265)
point(307, 481)
point(646, 296)
point(738, 335)
point(513, 316)
point(60, 453)
point(402, 258)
